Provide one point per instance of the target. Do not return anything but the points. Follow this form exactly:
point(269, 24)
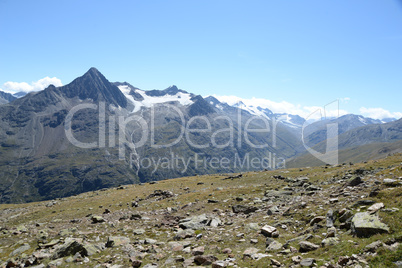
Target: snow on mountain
point(140, 98)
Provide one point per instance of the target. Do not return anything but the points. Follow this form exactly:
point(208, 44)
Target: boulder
point(364, 225)
point(70, 248)
point(243, 209)
point(306, 246)
point(114, 241)
point(268, 230)
point(194, 223)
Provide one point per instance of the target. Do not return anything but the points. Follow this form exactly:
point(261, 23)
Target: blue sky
point(297, 53)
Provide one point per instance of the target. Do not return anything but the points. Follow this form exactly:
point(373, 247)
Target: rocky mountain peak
point(93, 85)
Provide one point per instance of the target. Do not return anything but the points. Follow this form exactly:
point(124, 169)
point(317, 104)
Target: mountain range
point(92, 134)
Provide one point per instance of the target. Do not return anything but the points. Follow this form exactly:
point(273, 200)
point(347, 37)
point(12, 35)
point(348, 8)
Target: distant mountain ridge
point(120, 134)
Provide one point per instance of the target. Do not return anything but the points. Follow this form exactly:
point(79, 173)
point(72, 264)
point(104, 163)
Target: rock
point(343, 260)
point(160, 194)
point(226, 251)
point(306, 246)
point(194, 223)
point(268, 230)
point(92, 249)
point(308, 262)
point(68, 231)
point(204, 260)
point(330, 241)
point(331, 232)
point(175, 246)
point(373, 246)
point(70, 248)
point(21, 249)
point(374, 208)
point(317, 220)
point(354, 181)
point(97, 219)
point(198, 251)
point(330, 218)
point(275, 262)
point(243, 209)
point(135, 217)
point(274, 246)
point(150, 265)
point(296, 259)
point(249, 252)
point(183, 234)
point(219, 264)
point(252, 227)
point(364, 225)
point(150, 241)
point(135, 263)
point(364, 202)
point(215, 222)
point(390, 182)
point(345, 215)
point(138, 231)
point(115, 241)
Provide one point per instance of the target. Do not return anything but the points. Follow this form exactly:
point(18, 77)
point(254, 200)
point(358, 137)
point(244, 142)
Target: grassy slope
point(251, 185)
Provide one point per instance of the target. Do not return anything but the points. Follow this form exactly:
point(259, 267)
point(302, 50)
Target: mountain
point(6, 97)
point(20, 94)
point(92, 134)
point(371, 141)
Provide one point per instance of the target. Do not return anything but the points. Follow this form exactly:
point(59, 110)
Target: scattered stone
point(296, 259)
point(195, 222)
point(345, 215)
point(160, 194)
point(354, 181)
point(274, 246)
point(306, 246)
point(198, 251)
point(115, 241)
point(308, 262)
point(330, 218)
point(139, 231)
point(135, 217)
point(70, 248)
point(374, 208)
point(204, 259)
point(330, 241)
point(268, 230)
point(183, 234)
point(373, 246)
point(249, 252)
point(364, 225)
point(97, 219)
point(275, 262)
point(219, 264)
point(21, 249)
point(243, 209)
point(317, 220)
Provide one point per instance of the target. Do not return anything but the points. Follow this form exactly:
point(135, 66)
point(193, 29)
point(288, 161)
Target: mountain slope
point(6, 97)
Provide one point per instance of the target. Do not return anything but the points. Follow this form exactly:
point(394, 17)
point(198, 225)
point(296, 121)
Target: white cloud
point(14, 87)
point(308, 112)
point(379, 113)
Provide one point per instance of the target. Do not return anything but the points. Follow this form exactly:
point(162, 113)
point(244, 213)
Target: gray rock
point(306, 246)
point(21, 249)
point(268, 230)
point(70, 248)
point(364, 225)
point(194, 223)
point(330, 218)
point(308, 262)
point(330, 241)
point(97, 219)
point(138, 231)
point(354, 181)
point(205, 260)
point(115, 241)
point(243, 209)
point(274, 246)
point(183, 234)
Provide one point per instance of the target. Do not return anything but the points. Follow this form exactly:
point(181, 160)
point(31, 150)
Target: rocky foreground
point(331, 216)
